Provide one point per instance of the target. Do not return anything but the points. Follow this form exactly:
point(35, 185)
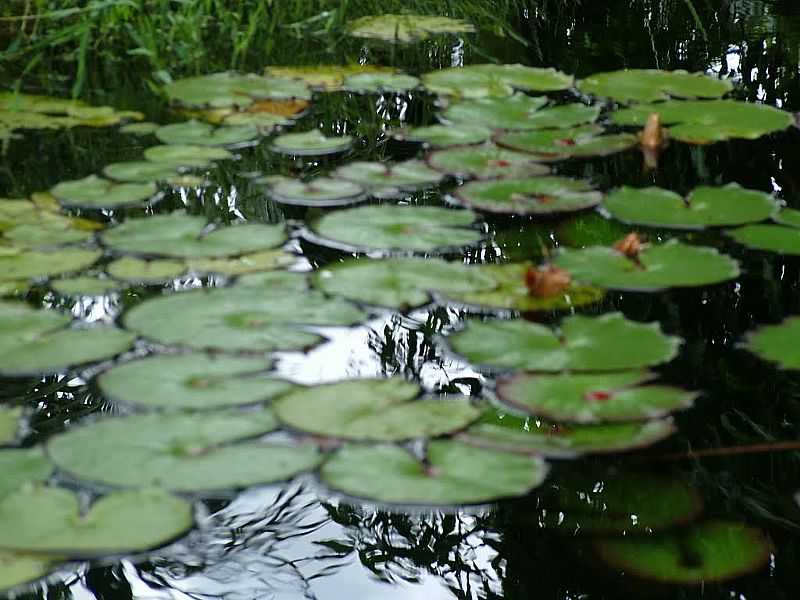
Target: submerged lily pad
point(606, 343)
point(195, 133)
point(19, 264)
point(387, 180)
point(708, 121)
point(384, 410)
point(185, 156)
point(49, 520)
point(768, 238)
point(320, 191)
point(135, 270)
point(651, 85)
point(445, 136)
point(704, 207)
point(405, 27)
point(590, 398)
point(777, 343)
point(191, 382)
point(485, 162)
point(85, 286)
point(510, 292)
point(221, 90)
point(387, 227)
point(530, 196)
point(96, 192)
point(311, 143)
point(525, 436)
point(140, 171)
point(478, 81)
point(237, 319)
point(561, 144)
point(400, 283)
point(183, 236)
point(144, 128)
point(197, 452)
point(704, 553)
point(658, 267)
point(366, 83)
point(39, 341)
point(454, 473)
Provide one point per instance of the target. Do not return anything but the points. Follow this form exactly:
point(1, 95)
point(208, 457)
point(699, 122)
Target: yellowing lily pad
point(405, 28)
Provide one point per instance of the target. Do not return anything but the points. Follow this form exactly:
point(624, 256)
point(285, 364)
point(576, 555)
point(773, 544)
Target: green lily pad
point(510, 292)
point(388, 180)
point(400, 283)
point(659, 267)
point(95, 192)
point(195, 133)
point(708, 121)
point(562, 144)
point(387, 227)
point(135, 270)
point(39, 224)
point(85, 286)
point(49, 520)
point(39, 341)
point(265, 260)
point(194, 452)
point(380, 410)
point(22, 467)
point(768, 238)
point(530, 196)
point(311, 143)
point(704, 207)
point(185, 156)
point(445, 136)
point(507, 112)
point(222, 90)
point(651, 85)
point(485, 162)
point(17, 568)
point(367, 83)
point(777, 343)
point(191, 382)
point(454, 473)
point(263, 122)
point(20, 264)
point(405, 28)
point(236, 319)
point(320, 191)
point(325, 78)
point(704, 553)
point(788, 216)
point(609, 342)
point(479, 81)
point(285, 282)
point(144, 128)
point(140, 171)
point(577, 398)
point(9, 423)
point(526, 436)
point(180, 235)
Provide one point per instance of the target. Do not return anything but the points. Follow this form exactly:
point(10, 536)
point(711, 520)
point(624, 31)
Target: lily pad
point(255, 262)
point(9, 424)
point(96, 192)
point(704, 207)
point(387, 227)
point(191, 382)
point(530, 196)
point(510, 292)
point(562, 144)
point(405, 28)
point(20, 264)
point(609, 342)
point(263, 122)
point(285, 282)
point(39, 341)
point(788, 216)
point(368, 83)
point(704, 553)
point(388, 180)
point(325, 78)
point(478, 81)
point(768, 238)
point(311, 143)
point(454, 473)
point(49, 520)
point(140, 171)
point(144, 128)
point(194, 452)
point(445, 136)
point(18, 568)
point(195, 133)
point(22, 467)
point(320, 191)
point(507, 112)
point(135, 270)
point(485, 162)
point(777, 343)
point(85, 286)
point(238, 320)
point(384, 410)
point(180, 235)
point(651, 85)
point(185, 156)
point(708, 121)
point(658, 267)
point(576, 398)
point(526, 436)
point(221, 90)
point(400, 283)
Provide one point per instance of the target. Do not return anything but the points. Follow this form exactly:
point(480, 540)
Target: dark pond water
point(299, 541)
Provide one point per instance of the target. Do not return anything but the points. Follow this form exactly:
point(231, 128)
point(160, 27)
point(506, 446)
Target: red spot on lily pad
point(598, 396)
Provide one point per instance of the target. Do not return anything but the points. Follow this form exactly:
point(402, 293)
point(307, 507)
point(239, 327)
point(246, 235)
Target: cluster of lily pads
point(205, 403)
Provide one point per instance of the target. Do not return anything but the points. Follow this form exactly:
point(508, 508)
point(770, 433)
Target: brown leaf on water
point(547, 281)
point(283, 108)
point(631, 245)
